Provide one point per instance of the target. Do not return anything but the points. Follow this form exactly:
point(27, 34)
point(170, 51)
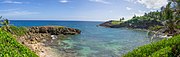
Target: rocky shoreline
point(156, 34)
point(131, 24)
point(109, 24)
point(39, 40)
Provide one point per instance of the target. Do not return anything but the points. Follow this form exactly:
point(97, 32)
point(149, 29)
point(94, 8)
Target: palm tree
point(171, 16)
point(5, 24)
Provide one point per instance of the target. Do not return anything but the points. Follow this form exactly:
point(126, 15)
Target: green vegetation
point(61, 26)
point(155, 28)
point(121, 19)
point(164, 48)
point(165, 52)
point(9, 47)
point(167, 20)
point(5, 23)
point(115, 22)
point(18, 31)
point(178, 27)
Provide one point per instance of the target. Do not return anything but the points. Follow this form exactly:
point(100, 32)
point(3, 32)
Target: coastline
point(40, 40)
point(156, 34)
point(42, 50)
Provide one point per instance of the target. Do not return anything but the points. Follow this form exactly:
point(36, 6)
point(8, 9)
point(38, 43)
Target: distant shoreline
point(62, 20)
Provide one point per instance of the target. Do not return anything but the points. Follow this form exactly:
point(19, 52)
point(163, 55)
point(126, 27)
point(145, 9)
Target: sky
point(87, 10)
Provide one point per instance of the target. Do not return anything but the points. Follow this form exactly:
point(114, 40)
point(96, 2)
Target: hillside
point(9, 47)
point(166, 21)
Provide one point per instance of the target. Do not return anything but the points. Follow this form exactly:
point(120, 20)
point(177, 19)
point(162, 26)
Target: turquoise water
point(96, 41)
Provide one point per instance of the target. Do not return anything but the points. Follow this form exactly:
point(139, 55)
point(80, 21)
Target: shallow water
point(96, 41)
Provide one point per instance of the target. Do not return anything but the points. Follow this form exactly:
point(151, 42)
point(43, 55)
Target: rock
point(139, 24)
point(110, 25)
point(54, 30)
point(41, 39)
point(70, 51)
point(54, 37)
point(106, 24)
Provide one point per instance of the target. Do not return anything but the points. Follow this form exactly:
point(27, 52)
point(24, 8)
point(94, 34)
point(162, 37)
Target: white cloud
point(8, 10)
point(63, 1)
point(153, 10)
point(100, 1)
point(128, 8)
point(151, 4)
point(12, 2)
point(15, 12)
point(130, 0)
point(154, 4)
point(139, 13)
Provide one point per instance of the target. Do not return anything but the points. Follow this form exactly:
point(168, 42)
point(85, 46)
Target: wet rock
point(70, 51)
point(54, 37)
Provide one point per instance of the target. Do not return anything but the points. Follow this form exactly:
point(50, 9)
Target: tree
point(5, 24)
point(171, 16)
point(134, 16)
point(121, 19)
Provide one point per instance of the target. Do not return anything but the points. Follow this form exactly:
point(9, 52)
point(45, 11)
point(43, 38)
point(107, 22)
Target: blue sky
point(100, 10)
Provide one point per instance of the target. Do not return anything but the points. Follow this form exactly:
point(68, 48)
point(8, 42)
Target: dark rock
point(54, 30)
point(70, 51)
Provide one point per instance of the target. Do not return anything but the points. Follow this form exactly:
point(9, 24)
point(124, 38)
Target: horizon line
point(55, 20)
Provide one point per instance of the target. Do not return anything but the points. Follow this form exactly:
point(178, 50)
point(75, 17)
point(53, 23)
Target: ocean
point(95, 41)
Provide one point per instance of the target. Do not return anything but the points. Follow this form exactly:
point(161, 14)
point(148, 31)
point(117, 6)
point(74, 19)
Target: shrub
point(19, 31)
point(155, 28)
point(154, 48)
point(178, 27)
point(165, 52)
point(9, 47)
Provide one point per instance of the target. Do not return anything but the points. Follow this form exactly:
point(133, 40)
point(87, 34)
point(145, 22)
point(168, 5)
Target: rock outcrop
point(140, 24)
point(110, 25)
point(54, 30)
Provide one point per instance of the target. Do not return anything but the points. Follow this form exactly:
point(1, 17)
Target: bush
point(154, 48)
point(178, 27)
point(165, 52)
point(9, 47)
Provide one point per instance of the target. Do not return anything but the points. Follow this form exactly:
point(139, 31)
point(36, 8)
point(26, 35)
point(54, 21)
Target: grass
point(115, 22)
point(163, 48)
point(9, 47)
